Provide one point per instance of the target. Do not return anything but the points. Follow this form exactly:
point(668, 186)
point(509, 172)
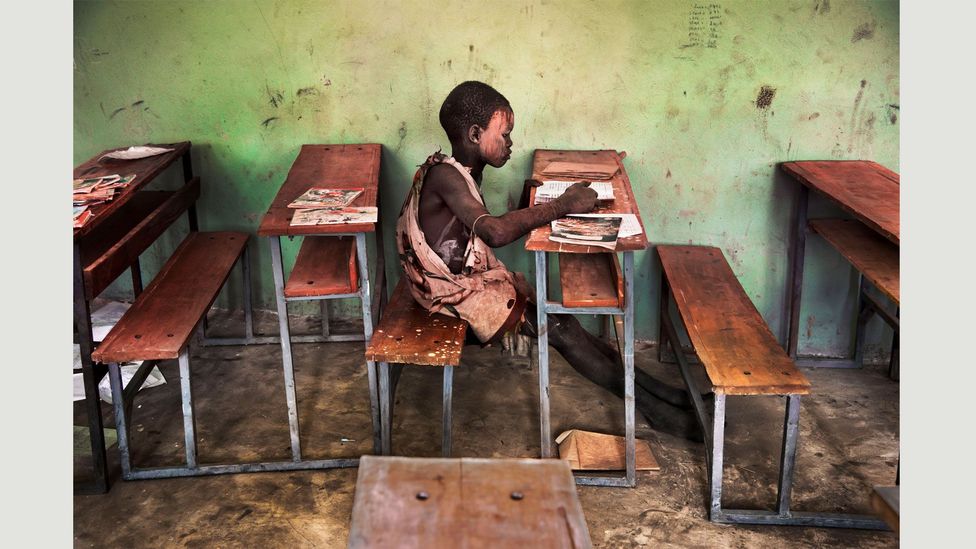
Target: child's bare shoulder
point(443, 178)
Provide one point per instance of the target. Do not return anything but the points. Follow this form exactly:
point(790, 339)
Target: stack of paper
point(326, 198)
point(582, 170)
point(587, 231)
point(328, 216)
point(551, 190)
point(95, 190)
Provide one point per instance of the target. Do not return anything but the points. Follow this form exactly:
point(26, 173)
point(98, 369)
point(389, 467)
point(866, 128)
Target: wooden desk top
point(870, 253)
point(146, 169)
point(863, 188)
point(623, 202)
point(469, 503)
point(328, 166)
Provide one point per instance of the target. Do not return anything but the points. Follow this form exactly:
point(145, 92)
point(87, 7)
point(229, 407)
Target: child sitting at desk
point(444, 238)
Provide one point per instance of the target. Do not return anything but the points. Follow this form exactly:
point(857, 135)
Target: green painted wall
point(676, 84)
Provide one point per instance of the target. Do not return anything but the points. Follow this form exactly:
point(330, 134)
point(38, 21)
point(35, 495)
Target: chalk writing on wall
point(704, 25)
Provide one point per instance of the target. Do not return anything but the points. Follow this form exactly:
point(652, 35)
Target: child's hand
point(579, 198)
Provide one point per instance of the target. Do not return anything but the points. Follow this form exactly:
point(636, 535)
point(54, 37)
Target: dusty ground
point(848, 443)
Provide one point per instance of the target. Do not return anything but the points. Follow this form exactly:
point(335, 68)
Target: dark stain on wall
point(115, 112)
point(822, 7)
point(814, 116)
point(268, 121)
point(765, 97)
point(864, 31)
point(275, 97)
point(137, 103)
point(892, 112)
point(307, 91)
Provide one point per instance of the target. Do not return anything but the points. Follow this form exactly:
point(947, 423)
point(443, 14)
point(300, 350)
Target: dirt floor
point(848, 443)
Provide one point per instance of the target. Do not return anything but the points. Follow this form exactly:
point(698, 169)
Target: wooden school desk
point(466, 502)
point(592, 283)
point(331, 264)
point(869, 192)
point(110, 243)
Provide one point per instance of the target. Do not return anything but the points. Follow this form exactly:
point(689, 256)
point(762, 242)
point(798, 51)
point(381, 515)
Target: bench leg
point(797, 250)
point(542, 296)
point(367, 306)
point(386, 410)
point(324, 313)
point(788, 457)
point(446, 411)
point(715, 465)
point(189, 420)
point(121, 427)
point(864, 314)
point(246, 293)
point(285, 335)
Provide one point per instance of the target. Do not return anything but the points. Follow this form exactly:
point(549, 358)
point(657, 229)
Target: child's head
point(475, 115)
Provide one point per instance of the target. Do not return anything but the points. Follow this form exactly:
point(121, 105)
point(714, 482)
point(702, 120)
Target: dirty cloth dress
point(483, 293)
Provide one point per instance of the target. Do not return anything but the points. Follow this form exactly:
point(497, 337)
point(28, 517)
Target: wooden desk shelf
point(325, 266)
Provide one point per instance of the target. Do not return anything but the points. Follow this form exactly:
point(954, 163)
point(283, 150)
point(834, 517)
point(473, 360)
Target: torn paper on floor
point(129, 370)
point(588, 451)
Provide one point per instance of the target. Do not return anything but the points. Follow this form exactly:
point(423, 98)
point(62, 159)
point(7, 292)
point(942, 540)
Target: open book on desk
point(551, 190)
point(595, 230)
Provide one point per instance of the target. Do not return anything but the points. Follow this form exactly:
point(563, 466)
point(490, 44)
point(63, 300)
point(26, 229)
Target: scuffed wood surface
point(325, 265)
point(590, 280)
point(886, 501)
point(146, 169)
point(469, 504)
point(327, 166)
point(870, 253)
point(863, 188)
point(408, 334)
point(740, 354)
point(623, 202)
point(163, 318)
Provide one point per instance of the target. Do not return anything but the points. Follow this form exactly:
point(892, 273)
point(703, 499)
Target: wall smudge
point(864, 31)
point(765, 97)
point(814, 116)
point(275, 97)
point(822, 7)
point(307, 91)
point(268, 121)
point(115, 112)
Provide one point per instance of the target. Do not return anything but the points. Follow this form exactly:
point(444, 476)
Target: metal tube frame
point(715, 458)
point(544, 307)
point(865, 302)
point(446, 411)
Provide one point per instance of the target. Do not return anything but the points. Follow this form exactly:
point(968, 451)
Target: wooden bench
point(885, 501)
point(741, 357)
point(408, 334)
point(160, 324)
point(466, 502)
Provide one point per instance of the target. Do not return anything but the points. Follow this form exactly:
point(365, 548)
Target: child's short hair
point(470, 103)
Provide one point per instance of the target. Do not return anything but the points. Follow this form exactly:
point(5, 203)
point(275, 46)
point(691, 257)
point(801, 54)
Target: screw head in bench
point(138, 336)
point(517, 496)
point(747, 373)
point(169, 335)
point(422, 496)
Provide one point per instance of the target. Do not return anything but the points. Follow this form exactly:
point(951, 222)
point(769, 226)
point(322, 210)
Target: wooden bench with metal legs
point(408, 334)
point(159, 326)
point(741, 357)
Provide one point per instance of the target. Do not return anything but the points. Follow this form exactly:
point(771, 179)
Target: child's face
point(495, 145)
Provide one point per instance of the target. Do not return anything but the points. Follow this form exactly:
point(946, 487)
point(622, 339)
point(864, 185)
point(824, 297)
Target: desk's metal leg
point(121, 421)
point(189, 419)
point(893, 361)
point(797, 250)
point(324, 314)
point(191, 212)
point(542, 296)
point(136, 271)
point(386, 410)
point(91, 375)
point(248, 310)
point(286, 360)
point(628, 357)
point(863, 315)
point(718, 447)
point(364, 295)
point(662, 333)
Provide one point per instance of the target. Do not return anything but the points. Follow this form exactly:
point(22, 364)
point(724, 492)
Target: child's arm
point(500, 230)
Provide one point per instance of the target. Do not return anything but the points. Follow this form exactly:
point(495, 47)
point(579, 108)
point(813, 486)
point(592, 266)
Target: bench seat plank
point(870, 253)
point(325, 266)
point(733, 342)
point(163, 318)
point(885, 501)
point(408, 334)
point(590, 280)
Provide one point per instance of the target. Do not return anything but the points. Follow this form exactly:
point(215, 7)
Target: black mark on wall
point(268, 121)
point(275, 97)
point(137, 103)
point(115, 112)
point(864, 31)
point(765, 97)
point(822, 7)
point(307, 91)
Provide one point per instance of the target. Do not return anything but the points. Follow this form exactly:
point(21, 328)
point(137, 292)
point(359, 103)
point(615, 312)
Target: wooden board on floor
point(740, 354)
point(327, 166)
point(466, 502)
point(326, 265)
point(885, 501)
point(588, 451)
point(863, 188)
point(870, 253)
point(591, 280)
point(408, 334)
point(164, 316)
